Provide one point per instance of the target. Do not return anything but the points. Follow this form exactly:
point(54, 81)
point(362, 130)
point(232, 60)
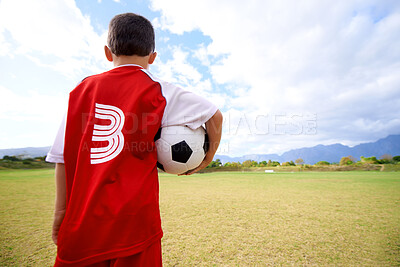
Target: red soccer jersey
point(110, 161)
point(112, 203)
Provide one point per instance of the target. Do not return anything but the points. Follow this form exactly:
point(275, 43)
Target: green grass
point(26, 209)
point(233, 219)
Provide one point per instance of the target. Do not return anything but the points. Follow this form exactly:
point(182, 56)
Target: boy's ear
point(152, 57)
point(108, 53)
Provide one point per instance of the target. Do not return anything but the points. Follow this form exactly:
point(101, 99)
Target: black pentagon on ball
point(158, 135)
point(206, 145)
point(181, 152)
point(160, 166)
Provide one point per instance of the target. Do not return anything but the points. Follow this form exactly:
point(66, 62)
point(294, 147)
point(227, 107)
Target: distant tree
point(299, 161)
point(214, 163)
point(288, 163)
point(273, 163)
point(263, 164)
point(254, 163)
point(396, 158)
point(27, 161)
point(232, 164)
point(346, 160)
point(246, 163)
point(322, 163)
point(40, 158)
point(386, 159)
point(370, 160)
point(11, 158)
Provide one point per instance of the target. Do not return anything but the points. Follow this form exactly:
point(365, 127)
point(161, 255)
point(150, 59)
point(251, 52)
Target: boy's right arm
point(214, 131)
point(61, 197)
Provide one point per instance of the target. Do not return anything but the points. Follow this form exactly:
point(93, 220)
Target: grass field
point(233, 219)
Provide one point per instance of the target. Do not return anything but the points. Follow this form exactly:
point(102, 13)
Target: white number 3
point(111, 133)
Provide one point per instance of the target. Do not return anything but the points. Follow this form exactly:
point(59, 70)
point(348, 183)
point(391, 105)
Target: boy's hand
point(58, 218)
point(202, 165)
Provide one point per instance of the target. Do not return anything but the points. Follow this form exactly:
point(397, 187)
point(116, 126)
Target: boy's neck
point(137, 60)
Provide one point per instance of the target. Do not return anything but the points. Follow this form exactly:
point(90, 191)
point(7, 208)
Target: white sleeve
point(185, 108)
point(56, 153)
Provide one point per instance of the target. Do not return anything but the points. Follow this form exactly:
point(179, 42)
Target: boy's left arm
point(214, 131)
point(61, 197)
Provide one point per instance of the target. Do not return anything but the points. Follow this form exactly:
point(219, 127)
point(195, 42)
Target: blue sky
point(286, 74)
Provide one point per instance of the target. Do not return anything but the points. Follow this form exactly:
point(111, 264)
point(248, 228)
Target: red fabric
point(150, 257)
point(112, 207)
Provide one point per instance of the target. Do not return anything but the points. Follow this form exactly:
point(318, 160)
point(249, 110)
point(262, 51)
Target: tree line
point(22, 162)
point(348, 160)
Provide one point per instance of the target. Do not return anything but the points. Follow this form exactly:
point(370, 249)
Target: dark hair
point(130, 34)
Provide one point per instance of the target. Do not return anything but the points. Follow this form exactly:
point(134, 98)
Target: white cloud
point(5, 47)
point(339, 60)
point(31, 106)
point(179, 71)
point(52, 33)
point(29, 118)
point(57, 38)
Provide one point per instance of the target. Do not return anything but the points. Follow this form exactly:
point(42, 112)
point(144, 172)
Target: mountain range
point(311, 155)
point(26, 152)
point(330, 153)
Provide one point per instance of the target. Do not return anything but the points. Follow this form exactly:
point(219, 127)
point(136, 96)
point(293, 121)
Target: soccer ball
point(180, 148)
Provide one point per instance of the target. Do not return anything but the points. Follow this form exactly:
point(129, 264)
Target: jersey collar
point(127, 65)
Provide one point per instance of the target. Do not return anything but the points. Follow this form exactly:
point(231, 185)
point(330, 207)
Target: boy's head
point(130, 34)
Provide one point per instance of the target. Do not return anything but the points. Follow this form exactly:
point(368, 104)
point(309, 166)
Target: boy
point(107, 210)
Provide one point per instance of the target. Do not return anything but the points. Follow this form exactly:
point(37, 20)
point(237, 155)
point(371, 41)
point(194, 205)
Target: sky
point(285, 74)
